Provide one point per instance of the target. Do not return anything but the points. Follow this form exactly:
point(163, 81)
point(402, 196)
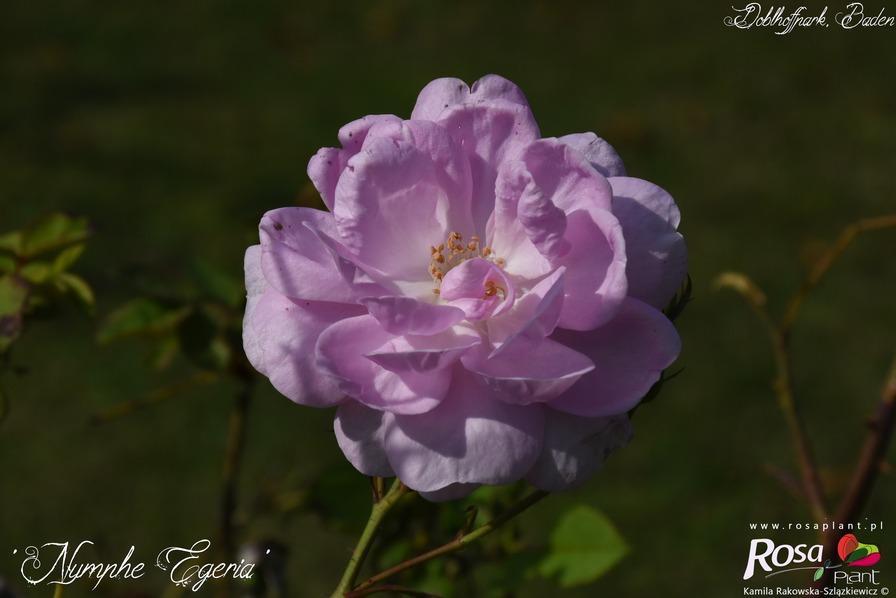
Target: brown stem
point(236, 439)
point(880, 430)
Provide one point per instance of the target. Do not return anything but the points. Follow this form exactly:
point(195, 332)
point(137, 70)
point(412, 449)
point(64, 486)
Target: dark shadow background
point(175, 125)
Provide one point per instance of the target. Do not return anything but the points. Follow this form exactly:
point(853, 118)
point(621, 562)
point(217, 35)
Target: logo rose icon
point(481, 303)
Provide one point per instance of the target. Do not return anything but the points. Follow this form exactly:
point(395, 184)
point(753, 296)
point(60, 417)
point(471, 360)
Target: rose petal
point(281, 339)
point(598, 152)
point(403, 193)
point(629, 354)
point(452, 492)
point(510, 129)
point(535, 315)
point(424, 354)
point(325, 167)
point(403, 315)
point(255, 288)
point(595, 281)
point(342, 353)
point(295, 261)
point(575, 448)
point(442, 93)
point(520, 202)
point(479, 287)
point(524, 371)
point(470, 438)
point(657, 254)
point(566, 177)
point(360, 434)
point(508, 238)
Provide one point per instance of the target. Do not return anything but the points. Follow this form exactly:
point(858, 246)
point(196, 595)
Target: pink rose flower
point(481, 303)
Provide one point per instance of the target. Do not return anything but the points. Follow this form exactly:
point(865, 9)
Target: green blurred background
point(174, 126)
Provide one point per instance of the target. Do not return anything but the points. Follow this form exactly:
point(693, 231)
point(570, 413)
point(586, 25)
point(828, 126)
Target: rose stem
point(368, 586)
point(377, 514)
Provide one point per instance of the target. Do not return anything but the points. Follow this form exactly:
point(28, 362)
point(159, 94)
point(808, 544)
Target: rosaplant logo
point(852, 553)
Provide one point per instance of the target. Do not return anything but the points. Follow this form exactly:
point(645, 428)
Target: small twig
point(458, 543)
point(156, 396)
point(823, 264)
point(783, 386)
point(236, 440)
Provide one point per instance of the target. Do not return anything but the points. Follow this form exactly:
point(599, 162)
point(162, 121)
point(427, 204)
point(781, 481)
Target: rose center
point(455, 251)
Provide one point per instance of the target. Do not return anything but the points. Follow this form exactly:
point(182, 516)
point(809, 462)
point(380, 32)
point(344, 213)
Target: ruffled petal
point(478, 287)
point(596, 284)
point(281, 341)
point(296, 262)
point(343, 352)
point(403, 193)
point(598, 152)
point(525, 371)
point(360, 432)
point(533, 316)
point(325, 167)
point(575, 448)
point(256, 286)
point(523, 207)
point(442, 93)
point(403, 315)
point(567, 178)
point(425, 354)
point(490, 134)
point(630, 352)
point(657, 254)
point(508, 238)
point(470, 438)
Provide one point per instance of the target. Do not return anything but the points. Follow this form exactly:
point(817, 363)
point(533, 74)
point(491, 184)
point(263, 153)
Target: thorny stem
point(370, 586)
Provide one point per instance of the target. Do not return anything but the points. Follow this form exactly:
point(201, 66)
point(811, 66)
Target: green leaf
point(13, 297)
point(818, 573)
point(36, 272)
point(858, 553)
point(67, 257)
point(79, 288)
point(11, 242)
point(583, 546)
point(140, 316)
point(52, 231)
point(163, 352)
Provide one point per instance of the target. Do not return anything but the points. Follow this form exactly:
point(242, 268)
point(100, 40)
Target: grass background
point(175, 126)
